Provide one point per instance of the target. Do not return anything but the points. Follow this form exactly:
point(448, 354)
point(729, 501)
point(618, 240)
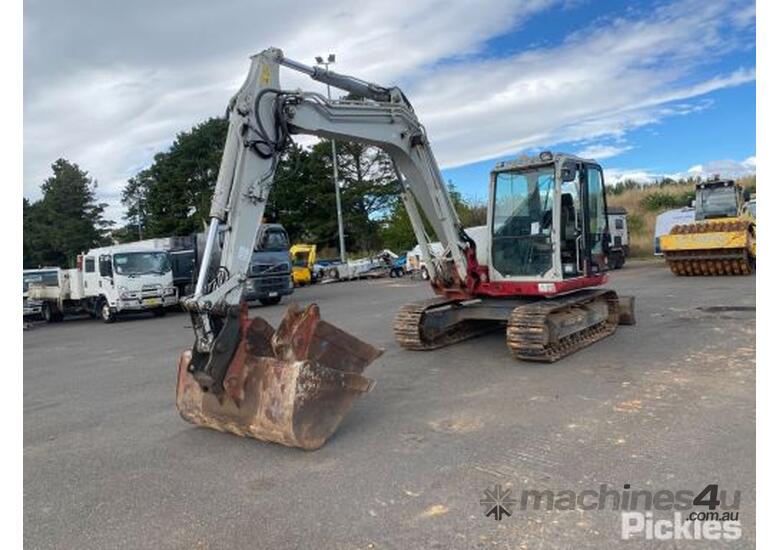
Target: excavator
point(722, 238)
point(540, 274)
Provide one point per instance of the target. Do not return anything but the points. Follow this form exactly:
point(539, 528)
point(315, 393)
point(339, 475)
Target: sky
point(648, 88)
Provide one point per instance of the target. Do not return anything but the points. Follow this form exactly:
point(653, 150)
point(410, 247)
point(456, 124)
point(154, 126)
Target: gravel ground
point(667, 404)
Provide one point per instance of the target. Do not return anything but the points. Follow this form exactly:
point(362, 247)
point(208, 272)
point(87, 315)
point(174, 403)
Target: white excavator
point(540, 276)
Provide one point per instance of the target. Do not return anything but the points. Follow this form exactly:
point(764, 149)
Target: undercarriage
point(537, 329)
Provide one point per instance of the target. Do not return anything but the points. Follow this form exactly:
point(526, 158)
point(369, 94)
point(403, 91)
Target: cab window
point(272, 239)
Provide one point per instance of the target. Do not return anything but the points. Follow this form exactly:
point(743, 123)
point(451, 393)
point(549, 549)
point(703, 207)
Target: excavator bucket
point(291, 386)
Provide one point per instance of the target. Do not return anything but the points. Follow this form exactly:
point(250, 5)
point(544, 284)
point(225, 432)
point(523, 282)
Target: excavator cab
point(548, 219)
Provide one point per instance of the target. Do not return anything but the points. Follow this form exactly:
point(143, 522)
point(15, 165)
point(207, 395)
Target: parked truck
point(617, 218)
point(378, 265)
point(269, 275)
point(46, 276)
point(108, 282)
point(668, 219)
point(415, 262)
point(304, 258)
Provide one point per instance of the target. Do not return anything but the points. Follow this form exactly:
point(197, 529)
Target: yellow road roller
point(721, 240)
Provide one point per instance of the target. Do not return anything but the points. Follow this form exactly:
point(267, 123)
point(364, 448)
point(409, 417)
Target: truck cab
point(617, 217)
point(304, 256)
point(45, 276)
point(269, 276)
point(115, 281)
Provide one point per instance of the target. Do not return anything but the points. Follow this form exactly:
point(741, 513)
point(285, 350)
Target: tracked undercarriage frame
point(537, 329)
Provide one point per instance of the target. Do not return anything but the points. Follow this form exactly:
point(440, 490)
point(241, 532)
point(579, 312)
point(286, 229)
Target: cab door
point(596, 235)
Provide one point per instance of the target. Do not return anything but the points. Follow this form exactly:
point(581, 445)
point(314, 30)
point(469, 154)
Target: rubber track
point(409, 319)
point(526, 333)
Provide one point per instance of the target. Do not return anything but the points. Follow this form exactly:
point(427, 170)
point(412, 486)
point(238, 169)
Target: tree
point(65, 221)
point(134, 200)
point(173, 195)
point(303, 198)
point(471, 213)
point(397, 233)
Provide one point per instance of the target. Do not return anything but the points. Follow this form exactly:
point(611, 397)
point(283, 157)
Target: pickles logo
point(497, 502)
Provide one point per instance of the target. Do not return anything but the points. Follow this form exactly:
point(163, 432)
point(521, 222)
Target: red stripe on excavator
point(511, 288)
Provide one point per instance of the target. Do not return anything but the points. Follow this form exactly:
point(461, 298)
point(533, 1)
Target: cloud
point(603, 151)
point(724, 168)
point(109, 84)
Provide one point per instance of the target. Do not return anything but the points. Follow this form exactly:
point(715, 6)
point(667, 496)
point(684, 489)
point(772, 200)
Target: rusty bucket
point(291, 386)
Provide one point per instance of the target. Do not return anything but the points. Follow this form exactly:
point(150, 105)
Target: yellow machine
point(303, 256)
point(721, 240)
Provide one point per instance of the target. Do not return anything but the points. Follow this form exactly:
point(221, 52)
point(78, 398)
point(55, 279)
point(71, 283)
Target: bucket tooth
point(291, 386)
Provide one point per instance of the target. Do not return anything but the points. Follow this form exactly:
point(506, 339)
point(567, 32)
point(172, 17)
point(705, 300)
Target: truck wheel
point(424, 274)
point(48, 314)
point(271, 301)
point(106, 313)
point(333, 273)
point(159, 312)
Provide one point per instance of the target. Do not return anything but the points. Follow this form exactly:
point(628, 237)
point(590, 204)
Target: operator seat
point(568, 229)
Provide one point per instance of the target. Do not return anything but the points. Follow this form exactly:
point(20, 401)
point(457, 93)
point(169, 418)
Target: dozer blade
point(291, 386)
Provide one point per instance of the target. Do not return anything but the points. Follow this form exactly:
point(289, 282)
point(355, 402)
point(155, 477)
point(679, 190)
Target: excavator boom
point(233, 379)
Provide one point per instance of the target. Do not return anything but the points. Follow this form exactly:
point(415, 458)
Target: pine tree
point(66, 220)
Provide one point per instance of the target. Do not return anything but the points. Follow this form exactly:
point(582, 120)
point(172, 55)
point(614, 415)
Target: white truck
point(107, 282)
point(666, 220)
point(617, 217)
point(415, 263)
point(45, 276)
point(377, 265)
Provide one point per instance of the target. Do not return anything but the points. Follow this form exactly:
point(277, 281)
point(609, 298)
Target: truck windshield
point(46, 278)
point(140, 263)
point(522, 221)
point(273, 239)
point(301, 259)
point(716, 202)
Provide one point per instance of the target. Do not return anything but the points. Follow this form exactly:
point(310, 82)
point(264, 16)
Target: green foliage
point(65, 221)
point(661, 200)
point(635, 223)
point(471, 213)
point(304, 198)
point(397, 233)
point(173, 195)
point(622, 186)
